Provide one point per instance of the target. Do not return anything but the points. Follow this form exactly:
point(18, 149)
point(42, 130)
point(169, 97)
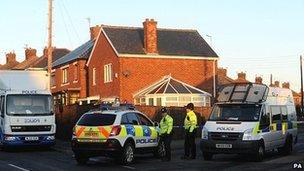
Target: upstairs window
point(53, 82)
point(108, 73)
point(64, 75)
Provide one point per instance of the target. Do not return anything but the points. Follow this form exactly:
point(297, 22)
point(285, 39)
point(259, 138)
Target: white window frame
point(65, 76)
point(108, 73)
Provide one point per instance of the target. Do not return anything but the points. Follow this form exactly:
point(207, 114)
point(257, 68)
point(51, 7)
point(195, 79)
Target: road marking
point(17, 167)
point(129, 167)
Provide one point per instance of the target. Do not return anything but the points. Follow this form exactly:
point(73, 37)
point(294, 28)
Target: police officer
point(190, 126)
point(166, 126)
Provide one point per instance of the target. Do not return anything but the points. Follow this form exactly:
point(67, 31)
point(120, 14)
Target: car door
point(149, 131)
point(136, 129)
point(1, 117)
point(276, 125)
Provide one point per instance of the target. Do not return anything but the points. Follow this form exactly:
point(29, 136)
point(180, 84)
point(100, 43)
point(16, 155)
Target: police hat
point(164, 110)
point(190, 106)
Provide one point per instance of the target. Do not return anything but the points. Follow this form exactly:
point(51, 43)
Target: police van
point(250, 119)
point(117, 132)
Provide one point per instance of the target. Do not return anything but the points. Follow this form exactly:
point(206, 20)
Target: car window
point(133, 119)
point(276, 114)
point(96, 120)
point(284, 113)
point(124, 120)
point(144, 120)
point(265, 118)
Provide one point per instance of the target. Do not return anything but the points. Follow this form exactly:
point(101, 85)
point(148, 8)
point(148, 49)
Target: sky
point(257, 37)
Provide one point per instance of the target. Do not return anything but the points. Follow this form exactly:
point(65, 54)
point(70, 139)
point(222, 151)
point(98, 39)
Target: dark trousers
point(167, 143)
point(190, 146)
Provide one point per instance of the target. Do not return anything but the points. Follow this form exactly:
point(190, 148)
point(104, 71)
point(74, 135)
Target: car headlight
point(248, 135)
point(204, 133)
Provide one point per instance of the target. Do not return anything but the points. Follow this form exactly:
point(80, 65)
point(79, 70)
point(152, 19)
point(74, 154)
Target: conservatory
point(171, 92)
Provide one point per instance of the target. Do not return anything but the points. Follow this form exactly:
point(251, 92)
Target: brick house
point(119, 61)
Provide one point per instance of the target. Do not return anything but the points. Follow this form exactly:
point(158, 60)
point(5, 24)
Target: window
point(143, 101)
point(73, 97)
point(64, 75)
point(94, 76)
point(265, 119)
point(151, 100)
point(132, 119)
point(276, 114)
point(208, 102)
point(97, 120)
point(108, 76)
point(124, 119)
point(53, 83)
point(158, 101)
point(144, 120)
point(2, 105)
point(284, 113)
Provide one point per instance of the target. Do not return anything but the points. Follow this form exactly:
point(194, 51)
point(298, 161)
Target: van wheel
point(81, 159)
point(127, 156)
point(287, 148)
point(260, 152)
point(207, 156)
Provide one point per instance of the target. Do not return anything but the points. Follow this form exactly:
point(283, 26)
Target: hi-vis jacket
point(166, 125)
point(190, 121)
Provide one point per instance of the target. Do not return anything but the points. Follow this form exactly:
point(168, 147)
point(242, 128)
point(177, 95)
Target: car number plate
point(91, 134)
point(223, 145)
point(31, 138)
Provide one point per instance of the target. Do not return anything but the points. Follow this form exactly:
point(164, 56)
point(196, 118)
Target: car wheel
point(127, 156)
point(287, 148)
point(81, 159)
point(160, 150)
point(207, 156)
point(260, 152)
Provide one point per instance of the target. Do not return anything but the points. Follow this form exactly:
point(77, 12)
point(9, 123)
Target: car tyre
point(287, 148)
point(127, 156)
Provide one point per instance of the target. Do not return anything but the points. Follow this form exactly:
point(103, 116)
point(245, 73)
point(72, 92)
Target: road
point(54, 159)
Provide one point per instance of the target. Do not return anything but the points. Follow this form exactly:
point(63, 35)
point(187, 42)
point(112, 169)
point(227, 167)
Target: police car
point(114, 132)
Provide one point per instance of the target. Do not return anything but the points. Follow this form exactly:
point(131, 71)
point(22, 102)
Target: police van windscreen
point(96, 120)
point(235, 112)
point(29, 105)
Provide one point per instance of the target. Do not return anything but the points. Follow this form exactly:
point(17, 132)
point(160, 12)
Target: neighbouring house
point(241, 78)
point(120, 61)
point(171, 92)
point(30, 58)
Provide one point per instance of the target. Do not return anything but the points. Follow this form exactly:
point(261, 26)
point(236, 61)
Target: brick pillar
point(94, 31)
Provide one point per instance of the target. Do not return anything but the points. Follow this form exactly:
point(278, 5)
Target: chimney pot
point(222, 72)
point(150, 36)
point(286, 85)
point(10, 58)
point(30, 53)
point(259, 80)
point(277, 83)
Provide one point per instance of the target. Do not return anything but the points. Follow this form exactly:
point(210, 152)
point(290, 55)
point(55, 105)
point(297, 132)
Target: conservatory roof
point(170, 85)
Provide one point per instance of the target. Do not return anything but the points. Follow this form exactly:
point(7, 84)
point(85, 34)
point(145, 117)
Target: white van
point(250, 119)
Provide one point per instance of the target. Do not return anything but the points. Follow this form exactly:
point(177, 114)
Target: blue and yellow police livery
point(114, 133)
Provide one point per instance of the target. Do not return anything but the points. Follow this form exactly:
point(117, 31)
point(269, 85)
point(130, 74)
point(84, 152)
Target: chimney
point(259, 80)
point(11, 58)
point(30, 53)
point(222, 72)
point(277, 83)
point(150, 36)
point(242, 75)
point(94, 31)
point(286, 85)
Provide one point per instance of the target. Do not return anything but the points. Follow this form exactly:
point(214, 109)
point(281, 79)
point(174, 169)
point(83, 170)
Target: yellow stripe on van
point(274, 126)
point(256, 129)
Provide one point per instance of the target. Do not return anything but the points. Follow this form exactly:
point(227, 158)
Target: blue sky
point(255, 36)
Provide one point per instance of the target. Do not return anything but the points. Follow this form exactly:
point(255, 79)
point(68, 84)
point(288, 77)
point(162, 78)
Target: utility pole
point(214, 69)
point(301, 69)
point(50, 48)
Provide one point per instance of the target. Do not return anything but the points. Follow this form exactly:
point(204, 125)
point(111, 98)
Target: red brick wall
point(102, 55)
point(78, 66)
point(145, 71)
